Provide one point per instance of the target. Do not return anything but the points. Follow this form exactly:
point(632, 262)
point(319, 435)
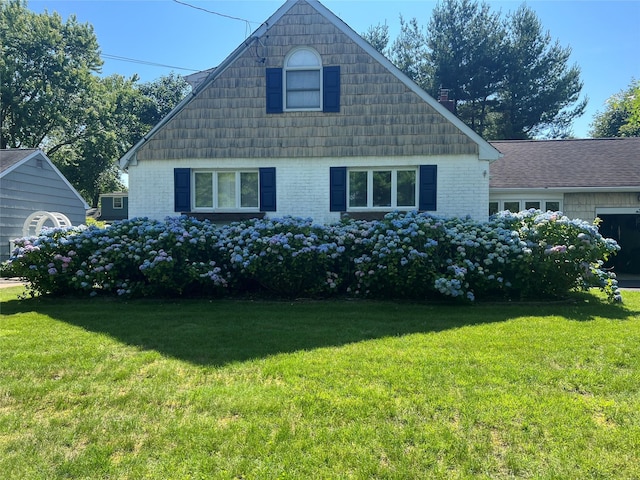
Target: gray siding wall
point(108, 212)
point(379, 115)
point(583, 205)
point(31, 187)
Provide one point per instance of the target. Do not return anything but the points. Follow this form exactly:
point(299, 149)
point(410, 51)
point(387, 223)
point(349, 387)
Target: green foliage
point(540, 93)
point(92, 222)
point(507, 78)
point(467, 55)
point(407, 255)
point(378, 37)
point(47, 69)
point(621, 117)
point(53, 99)
point(160, 97)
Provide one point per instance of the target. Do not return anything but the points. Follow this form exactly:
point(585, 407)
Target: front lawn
point(104, 388)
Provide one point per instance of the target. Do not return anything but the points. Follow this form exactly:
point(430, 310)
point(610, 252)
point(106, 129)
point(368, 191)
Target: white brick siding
point(302, 185)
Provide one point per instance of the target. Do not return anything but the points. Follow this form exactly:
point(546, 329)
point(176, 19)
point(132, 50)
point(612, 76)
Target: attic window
point(302, 78)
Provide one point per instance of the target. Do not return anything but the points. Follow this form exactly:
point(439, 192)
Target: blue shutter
point(331, 89)
point(274, 90)
point(428, 187)
point(268, 189)
point(182, 189)
point(338, 189)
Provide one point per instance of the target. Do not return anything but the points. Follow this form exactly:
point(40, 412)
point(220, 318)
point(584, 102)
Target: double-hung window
point(303, 84)
point(382, 188)
point(226, 190)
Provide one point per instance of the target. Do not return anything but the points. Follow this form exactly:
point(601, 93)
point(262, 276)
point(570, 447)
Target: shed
point(113, 206)
point(31, 183)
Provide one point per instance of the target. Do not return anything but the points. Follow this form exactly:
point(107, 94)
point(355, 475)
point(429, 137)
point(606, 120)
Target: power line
point(215, 13)
point(144, 62)
point(153, 64)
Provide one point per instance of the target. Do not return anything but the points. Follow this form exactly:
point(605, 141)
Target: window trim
point(394, 189)
point(523, 201)
point(286, 69)
point(121, 203)
point(238, 190)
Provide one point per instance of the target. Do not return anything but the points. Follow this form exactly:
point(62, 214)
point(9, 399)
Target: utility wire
point(144, 62)
point(247, 22)
point(153, 64)
point(214, 13)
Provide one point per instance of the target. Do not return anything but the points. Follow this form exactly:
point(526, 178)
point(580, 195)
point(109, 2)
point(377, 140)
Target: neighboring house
point(584, 179)
point(113, 206)
point(305, 118)
point(29, 184)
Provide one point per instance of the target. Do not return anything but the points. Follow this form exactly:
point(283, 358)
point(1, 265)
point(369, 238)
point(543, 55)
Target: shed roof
point(576, 163)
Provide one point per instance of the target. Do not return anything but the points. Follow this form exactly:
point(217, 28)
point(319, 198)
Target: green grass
point(103, 388)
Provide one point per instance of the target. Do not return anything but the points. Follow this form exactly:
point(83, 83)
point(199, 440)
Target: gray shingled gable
point(579, 163)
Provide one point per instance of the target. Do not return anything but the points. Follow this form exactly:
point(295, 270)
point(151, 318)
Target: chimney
point(444, 100)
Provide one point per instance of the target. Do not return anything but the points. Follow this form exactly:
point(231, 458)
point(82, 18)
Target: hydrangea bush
point(531, 254)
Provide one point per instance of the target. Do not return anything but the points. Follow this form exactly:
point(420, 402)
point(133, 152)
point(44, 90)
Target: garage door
point(625, 229)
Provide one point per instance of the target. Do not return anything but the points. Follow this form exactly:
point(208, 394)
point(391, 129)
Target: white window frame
point(394, 189)
point(317, 66)
point(120, 200)
point(238, 191)
point(542, 201)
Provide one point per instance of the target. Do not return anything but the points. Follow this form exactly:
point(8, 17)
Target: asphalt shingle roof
point(589, 163)
point(10, 157)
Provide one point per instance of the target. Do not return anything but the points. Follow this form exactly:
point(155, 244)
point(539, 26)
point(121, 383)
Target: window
point(302, 80)
point(226, 190)
point(513, 207)
point(303, 84)
point(117, 202)
point(382, 188)
point(553, 206)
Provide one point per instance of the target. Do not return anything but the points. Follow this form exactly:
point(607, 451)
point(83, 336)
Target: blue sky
point(604, 35)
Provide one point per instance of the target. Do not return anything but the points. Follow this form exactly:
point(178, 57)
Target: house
point(305, 118)
point(113, 206)
point(584, 178)
point(33, 194)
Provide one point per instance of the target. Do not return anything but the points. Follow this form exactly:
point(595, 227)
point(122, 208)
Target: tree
point(162, 95)
point(507, 78)
point(466, 53)
point(378, 37)
point(124, 111)
point(540, 93)
point(46, 71)
point(53, 98)
point(409, 52)
point(90, 163)
point(621, 117)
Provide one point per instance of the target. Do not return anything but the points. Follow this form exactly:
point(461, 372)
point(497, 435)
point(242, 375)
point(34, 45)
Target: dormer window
point(303, 84)
point(302, 80)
